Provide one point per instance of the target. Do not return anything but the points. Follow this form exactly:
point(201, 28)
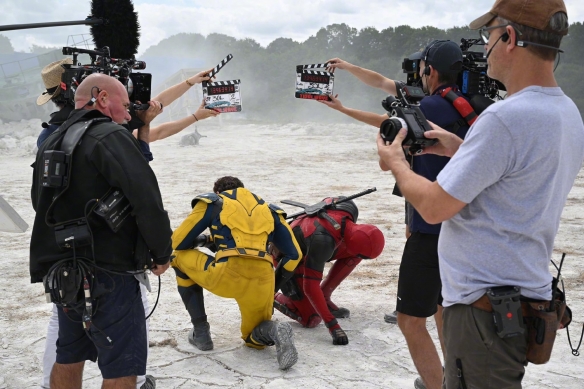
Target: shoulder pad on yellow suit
point(206, 197)
point(278, 210)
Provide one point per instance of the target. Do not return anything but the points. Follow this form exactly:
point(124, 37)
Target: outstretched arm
point(366, 76)
point(371, 118)
point(167, 96)
point(165, 130)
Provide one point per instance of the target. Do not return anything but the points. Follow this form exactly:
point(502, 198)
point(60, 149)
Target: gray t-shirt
point(514, 170)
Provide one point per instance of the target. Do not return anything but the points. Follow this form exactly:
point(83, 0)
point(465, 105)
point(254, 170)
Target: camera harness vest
point(66, 277)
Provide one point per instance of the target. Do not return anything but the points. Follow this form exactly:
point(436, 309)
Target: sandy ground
point(303, 162)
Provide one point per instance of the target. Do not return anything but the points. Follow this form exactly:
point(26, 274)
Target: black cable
point(157, 297)
point(575, 351)
point(86, 213)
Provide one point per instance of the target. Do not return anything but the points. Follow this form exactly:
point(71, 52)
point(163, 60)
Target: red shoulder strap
point(461, 104)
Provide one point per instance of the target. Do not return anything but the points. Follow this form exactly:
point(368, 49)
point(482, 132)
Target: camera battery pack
point(75, 232)
point(55, 169)
point(507, 316)
point(114, 208)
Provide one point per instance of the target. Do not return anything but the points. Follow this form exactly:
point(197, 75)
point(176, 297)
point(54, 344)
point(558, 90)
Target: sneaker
point(391, 318)
point(419, 384)
point(284, 341)
point(149, 384)
point(200, 337)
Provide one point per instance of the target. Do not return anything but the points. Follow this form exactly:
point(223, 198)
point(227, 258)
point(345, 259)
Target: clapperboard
point(222, 96)
point(314, 84)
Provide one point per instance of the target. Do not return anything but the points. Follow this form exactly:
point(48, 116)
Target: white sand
point(303, 162)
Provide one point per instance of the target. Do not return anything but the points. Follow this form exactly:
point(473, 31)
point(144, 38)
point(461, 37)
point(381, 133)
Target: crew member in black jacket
point(106, 159)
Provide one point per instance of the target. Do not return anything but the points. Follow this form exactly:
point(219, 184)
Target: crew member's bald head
point(111, 97)
point(96, 80)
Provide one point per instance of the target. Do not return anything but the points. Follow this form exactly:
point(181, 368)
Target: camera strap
point(64, 230)
point(460, 104)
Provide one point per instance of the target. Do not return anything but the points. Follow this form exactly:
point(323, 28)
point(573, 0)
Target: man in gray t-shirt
point(501, 196)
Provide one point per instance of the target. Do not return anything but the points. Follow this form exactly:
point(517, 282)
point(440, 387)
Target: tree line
point(268, 74)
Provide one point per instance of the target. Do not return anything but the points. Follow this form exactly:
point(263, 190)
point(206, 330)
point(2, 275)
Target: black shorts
point(419, 287)
point(119, 318)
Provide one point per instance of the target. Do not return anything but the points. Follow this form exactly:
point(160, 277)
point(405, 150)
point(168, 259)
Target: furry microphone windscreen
point(121, 29)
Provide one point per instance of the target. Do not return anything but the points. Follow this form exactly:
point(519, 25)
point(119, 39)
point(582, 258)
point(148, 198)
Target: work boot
point(271, 333)
point(200, 336)
point(150, 383)
point(337, 273)
point(391, 318)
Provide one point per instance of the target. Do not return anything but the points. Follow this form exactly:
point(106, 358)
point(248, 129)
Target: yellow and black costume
point(241, 226)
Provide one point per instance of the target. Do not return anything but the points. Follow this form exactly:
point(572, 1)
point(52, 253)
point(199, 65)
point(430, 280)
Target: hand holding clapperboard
point(314, 84)
point(222, 96)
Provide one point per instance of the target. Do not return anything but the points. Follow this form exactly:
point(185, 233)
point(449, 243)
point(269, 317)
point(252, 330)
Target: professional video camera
point(114, 28)
point(473, 79)
point(405, 113)
point(117, 41)
point(138, 85)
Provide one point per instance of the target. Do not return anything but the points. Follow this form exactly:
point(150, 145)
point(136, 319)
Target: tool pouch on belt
point(542, 324)
point(541, 332)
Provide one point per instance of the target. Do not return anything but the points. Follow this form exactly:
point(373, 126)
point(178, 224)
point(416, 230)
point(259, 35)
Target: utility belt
point(513, 315)
point(244, 252)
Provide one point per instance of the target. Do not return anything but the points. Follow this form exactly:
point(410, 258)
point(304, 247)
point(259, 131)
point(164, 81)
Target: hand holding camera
point(406, 113)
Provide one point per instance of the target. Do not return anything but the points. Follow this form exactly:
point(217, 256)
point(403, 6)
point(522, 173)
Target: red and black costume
point(304, 297)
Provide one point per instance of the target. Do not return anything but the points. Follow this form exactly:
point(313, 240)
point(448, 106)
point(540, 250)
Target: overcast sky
point(261, 20)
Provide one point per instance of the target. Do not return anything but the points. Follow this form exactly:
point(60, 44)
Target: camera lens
point(390, 127)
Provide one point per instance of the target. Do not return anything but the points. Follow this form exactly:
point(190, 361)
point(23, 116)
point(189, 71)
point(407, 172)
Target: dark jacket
point(107, 156)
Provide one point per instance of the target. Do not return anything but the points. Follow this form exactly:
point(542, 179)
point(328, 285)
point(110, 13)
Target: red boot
point(338, 272)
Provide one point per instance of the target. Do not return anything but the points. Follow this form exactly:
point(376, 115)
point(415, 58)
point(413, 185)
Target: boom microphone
point(121, 30)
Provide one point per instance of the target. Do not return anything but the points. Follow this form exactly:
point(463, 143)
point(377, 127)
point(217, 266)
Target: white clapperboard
point(314, 84)
point(222, 96)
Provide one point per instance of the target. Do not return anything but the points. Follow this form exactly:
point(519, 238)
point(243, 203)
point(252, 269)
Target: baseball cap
point(51, 75)
point(532, 13)
point(444, 55)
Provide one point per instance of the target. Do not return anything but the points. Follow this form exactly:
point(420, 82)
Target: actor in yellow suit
point(241, 226)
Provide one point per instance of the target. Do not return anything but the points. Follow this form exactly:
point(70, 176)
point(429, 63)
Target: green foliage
point(268, 74)
point(5, 45)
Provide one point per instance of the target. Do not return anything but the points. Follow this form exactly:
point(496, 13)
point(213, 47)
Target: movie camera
point(473, 79)
point(405, 113)
point(114, 28)
point(138, 85)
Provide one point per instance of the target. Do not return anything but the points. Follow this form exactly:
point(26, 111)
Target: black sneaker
point(391, 318)
point(149, 384)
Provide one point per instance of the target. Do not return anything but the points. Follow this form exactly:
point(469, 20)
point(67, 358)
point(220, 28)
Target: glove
point(201, 240)
point(282, 276)
point(205, 241)
point(339, 337)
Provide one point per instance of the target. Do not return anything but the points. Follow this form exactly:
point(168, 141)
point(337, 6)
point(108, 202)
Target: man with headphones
point(419, 287)
point(500, 199)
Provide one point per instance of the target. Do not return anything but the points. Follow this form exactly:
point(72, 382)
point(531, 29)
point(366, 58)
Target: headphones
point(93, 99)
point(505, 37)
point(426, 71)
